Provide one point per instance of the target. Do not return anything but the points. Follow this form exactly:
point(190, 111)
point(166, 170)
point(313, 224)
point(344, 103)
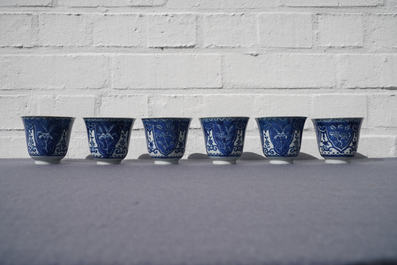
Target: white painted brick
point(382, 110)
point(279, 71)
point(195, 143)
point(153, 71)
point(335, 30)
point(252, 144)
point(221, 4)
point(109, 3)
point(118, 30)
point(331, 3)
point(395, 147)
point(70, 106)
point(368, 71)
point(339, 106)
point(78, 145)
point(25, 2)
point(309, 147)
point(14, 147)
point(129, 106)
point(137, 147)
point(12, 108)
point(292, 30)
point(383, 30)
point(229, 105)
point(392, 3)
point(53, 71)
point(376, 146)
point(172, 30)
point(16, 30)
point(268, 105)
point(63, 30)
point(185, 106)
point(229, 30)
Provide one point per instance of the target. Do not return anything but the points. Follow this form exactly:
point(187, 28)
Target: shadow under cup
point(108, 138)
point(281, 138)
point(47, 137)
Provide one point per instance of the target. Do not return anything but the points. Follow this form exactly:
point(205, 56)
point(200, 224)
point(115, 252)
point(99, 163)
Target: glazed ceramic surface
point(337, 138)
point(281, 137)
point(224, 138)
point(166, 138)
point(47, 137)
point(108, 138)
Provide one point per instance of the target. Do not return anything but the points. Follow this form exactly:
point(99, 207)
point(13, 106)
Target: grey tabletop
point(198, 213)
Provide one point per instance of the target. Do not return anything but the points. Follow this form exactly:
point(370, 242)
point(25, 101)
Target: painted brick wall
point(196, 58)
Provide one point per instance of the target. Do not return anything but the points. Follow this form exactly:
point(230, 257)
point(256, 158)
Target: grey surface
point(198, 213)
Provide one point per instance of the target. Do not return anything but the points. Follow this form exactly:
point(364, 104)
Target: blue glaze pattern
point(337, 137)
point(166, 137)
point(281, 136)
point(47, 136)
point(224, 136)
point(108, 138)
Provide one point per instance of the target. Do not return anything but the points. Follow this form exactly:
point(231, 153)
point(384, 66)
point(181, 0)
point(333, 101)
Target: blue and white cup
point(166, 138)
point(281, 138)
point(224, 138)
point(337, 138)
point(108, 138)
point(47, 137)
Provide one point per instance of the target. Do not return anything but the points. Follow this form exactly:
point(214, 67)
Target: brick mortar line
point(110, 54)
point(151, 9)
point(387, 11)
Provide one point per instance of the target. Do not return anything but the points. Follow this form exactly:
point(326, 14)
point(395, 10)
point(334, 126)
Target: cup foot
point(47, 160)
point(337, 160)
point(224, 162)
point(166, 162)
point(41, 162)
point(281, 161)
point(108, 162)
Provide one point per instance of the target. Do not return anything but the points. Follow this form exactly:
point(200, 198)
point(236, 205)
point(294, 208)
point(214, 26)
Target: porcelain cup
point(337, 138)
point(108, 138)
point(224, 138)
point(166, 138)
point(281, 138)
point(47, 137)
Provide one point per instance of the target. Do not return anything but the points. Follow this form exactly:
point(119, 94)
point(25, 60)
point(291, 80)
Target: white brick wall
point(336, 30)
point(229, 30)
point(383, 30)
point(63, 30)
point(196, 58)
point(122, 30)
point(172, 30)
point(26, 3)
point(285, 30)
point(16, 30)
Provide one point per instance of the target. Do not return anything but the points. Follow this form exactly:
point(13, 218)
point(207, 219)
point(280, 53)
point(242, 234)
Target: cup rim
point(224, 117)
point(170, 118)
point(337, 118)
point(47, 116)
point(267, 117)
point(108, 118)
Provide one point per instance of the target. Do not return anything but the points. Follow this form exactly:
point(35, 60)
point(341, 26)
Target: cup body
point(108, 138)
point(224, 138)
point(337, 138)
point(47, 137)
point(281, 138)
point(166, 138)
